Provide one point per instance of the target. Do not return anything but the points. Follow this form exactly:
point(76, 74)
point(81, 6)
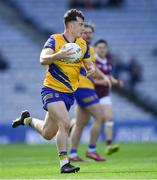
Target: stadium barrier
point(125, 131)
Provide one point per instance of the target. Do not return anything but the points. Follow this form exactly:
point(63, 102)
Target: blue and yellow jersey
point(61, 76)
point(84, 81)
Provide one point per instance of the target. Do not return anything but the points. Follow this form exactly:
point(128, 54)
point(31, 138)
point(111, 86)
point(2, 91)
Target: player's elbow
point(42, 61)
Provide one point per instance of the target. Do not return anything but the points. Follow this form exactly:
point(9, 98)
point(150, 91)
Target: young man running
point(87, 104)
point(60, 82)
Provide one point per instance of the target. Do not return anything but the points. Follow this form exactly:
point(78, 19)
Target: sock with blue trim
point(63, 158)
point(91, 148)
point(73, 153)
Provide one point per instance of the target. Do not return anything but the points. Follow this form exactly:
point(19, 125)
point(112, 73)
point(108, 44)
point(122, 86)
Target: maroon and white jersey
point(106, 67)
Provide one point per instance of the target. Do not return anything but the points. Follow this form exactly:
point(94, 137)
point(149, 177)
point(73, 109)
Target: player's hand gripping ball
point(76, 52)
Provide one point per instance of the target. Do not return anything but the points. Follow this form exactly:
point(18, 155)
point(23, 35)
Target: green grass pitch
point(133, 161)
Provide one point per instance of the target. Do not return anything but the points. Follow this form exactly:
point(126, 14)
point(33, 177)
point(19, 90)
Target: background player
point(60, 82)
point(103, 92)
point(88, 104)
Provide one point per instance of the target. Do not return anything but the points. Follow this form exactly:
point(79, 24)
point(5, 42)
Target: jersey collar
point(101, 60)
point(65, 38)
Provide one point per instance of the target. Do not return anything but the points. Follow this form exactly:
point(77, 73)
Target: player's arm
point(90, 67)
point(47, 55)
point(116, 82)
point(101, 79)
point(88, 61)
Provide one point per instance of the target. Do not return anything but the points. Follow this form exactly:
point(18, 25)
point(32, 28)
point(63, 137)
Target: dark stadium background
point(130, 27)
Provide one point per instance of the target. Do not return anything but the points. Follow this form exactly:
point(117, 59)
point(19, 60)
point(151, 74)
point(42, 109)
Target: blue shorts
point(86, 97)
point(50, 95)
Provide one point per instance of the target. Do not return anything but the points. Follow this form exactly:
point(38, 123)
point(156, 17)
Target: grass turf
point(133, 161)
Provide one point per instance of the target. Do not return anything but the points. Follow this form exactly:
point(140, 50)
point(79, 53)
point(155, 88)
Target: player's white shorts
point(105, 100)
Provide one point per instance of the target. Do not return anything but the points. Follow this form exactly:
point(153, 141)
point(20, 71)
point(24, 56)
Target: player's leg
point(109, 125)
point(55, 122)
point(54, 102)
point(82, 117)
point(96, 111)
point(47, 128)
point(62, 121)
point(88, 100)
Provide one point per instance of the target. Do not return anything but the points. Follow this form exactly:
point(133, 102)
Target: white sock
point(27, 121)
point(63, 162)
point(73, 155)
point(91, 148)
point(109, 124)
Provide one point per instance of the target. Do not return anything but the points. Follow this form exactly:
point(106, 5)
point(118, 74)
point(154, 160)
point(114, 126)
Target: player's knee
point(47, 135)
point(108, 118)
point(99, 118)
point(65, 124)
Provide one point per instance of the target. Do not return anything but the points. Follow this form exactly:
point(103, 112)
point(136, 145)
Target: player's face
point(87, 34)
point(78, 27)
point(101, 49)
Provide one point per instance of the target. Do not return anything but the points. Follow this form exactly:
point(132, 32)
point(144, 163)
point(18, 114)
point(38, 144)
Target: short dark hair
point(89, 25)
point(72, 14)
point(101, 41)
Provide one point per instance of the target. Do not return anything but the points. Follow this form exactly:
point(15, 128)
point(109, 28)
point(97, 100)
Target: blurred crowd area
point(4, 65)
point(129, 26)
point(130, 72)
point(95, 3)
